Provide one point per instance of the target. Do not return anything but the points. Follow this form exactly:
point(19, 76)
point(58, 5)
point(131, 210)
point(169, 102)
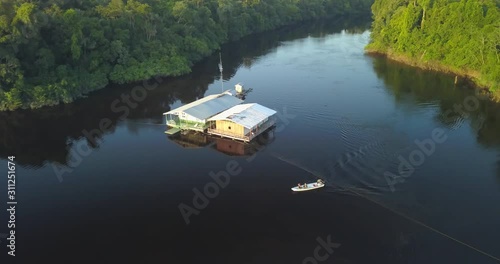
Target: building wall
point(230, 128)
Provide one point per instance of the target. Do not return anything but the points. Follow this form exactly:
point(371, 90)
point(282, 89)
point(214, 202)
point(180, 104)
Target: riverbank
point(121, 43)
point(462, 77)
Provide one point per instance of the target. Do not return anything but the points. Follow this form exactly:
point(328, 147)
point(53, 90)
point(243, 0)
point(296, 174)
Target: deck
point(173, 131)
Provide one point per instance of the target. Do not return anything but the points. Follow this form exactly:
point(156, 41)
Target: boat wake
point(371, 150)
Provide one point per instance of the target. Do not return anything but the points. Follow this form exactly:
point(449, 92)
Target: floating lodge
point(242, 122)
point(194, 115)
point(221, 115)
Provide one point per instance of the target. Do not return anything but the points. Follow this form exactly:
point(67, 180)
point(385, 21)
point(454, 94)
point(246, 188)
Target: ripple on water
point(427, 108)
point(370, 151)
point(454, 121)
point(459, 122)
point(320, 121)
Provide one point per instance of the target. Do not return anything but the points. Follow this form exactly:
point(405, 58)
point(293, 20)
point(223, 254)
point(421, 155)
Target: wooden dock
point(173, 131)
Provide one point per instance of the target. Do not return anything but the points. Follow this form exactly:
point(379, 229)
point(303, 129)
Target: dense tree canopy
point(462, 36)
point(54, 51)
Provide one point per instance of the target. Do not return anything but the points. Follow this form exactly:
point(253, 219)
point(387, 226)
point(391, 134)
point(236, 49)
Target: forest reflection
point(432, 88)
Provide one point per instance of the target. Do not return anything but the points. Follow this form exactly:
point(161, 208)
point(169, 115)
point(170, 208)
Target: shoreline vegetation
point(462, 77)
point(54, 52)
point(457, 37)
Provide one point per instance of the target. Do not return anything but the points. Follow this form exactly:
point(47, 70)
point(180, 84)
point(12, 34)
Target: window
point(229, 127)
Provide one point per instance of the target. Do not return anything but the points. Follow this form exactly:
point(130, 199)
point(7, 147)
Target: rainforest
point(462, 37)
point(59, 50)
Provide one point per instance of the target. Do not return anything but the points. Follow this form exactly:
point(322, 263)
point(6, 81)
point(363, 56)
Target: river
point(411, 163)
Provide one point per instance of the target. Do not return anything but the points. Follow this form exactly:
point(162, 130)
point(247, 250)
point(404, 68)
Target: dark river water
point(411, 163)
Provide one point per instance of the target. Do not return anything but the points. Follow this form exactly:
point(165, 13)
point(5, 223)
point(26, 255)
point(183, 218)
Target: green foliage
point(56, 51)
point(461, 35)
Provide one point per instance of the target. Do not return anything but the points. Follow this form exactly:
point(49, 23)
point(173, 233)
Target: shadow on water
point(229, 147)
point(46, 135)
point(408, 83)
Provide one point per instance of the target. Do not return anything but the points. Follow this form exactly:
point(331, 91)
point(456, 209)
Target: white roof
point(247, 115)
point(208, 106)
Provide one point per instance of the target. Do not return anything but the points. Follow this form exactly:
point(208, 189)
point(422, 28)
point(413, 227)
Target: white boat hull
point(310, 187)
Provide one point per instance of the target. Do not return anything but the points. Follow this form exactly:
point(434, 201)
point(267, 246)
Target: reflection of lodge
point(242, 122)
point(238, 148)
point(192, 140)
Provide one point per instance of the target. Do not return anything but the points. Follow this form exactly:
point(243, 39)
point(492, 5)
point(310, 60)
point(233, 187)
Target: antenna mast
point(221, 77)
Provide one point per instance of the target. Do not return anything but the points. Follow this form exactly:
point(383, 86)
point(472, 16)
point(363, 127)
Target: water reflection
point(191, 140)
point(498, 168)
point(45, 135)
point(408, 83)
point(197, 140)
point(237, 148)
point(431, 89)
